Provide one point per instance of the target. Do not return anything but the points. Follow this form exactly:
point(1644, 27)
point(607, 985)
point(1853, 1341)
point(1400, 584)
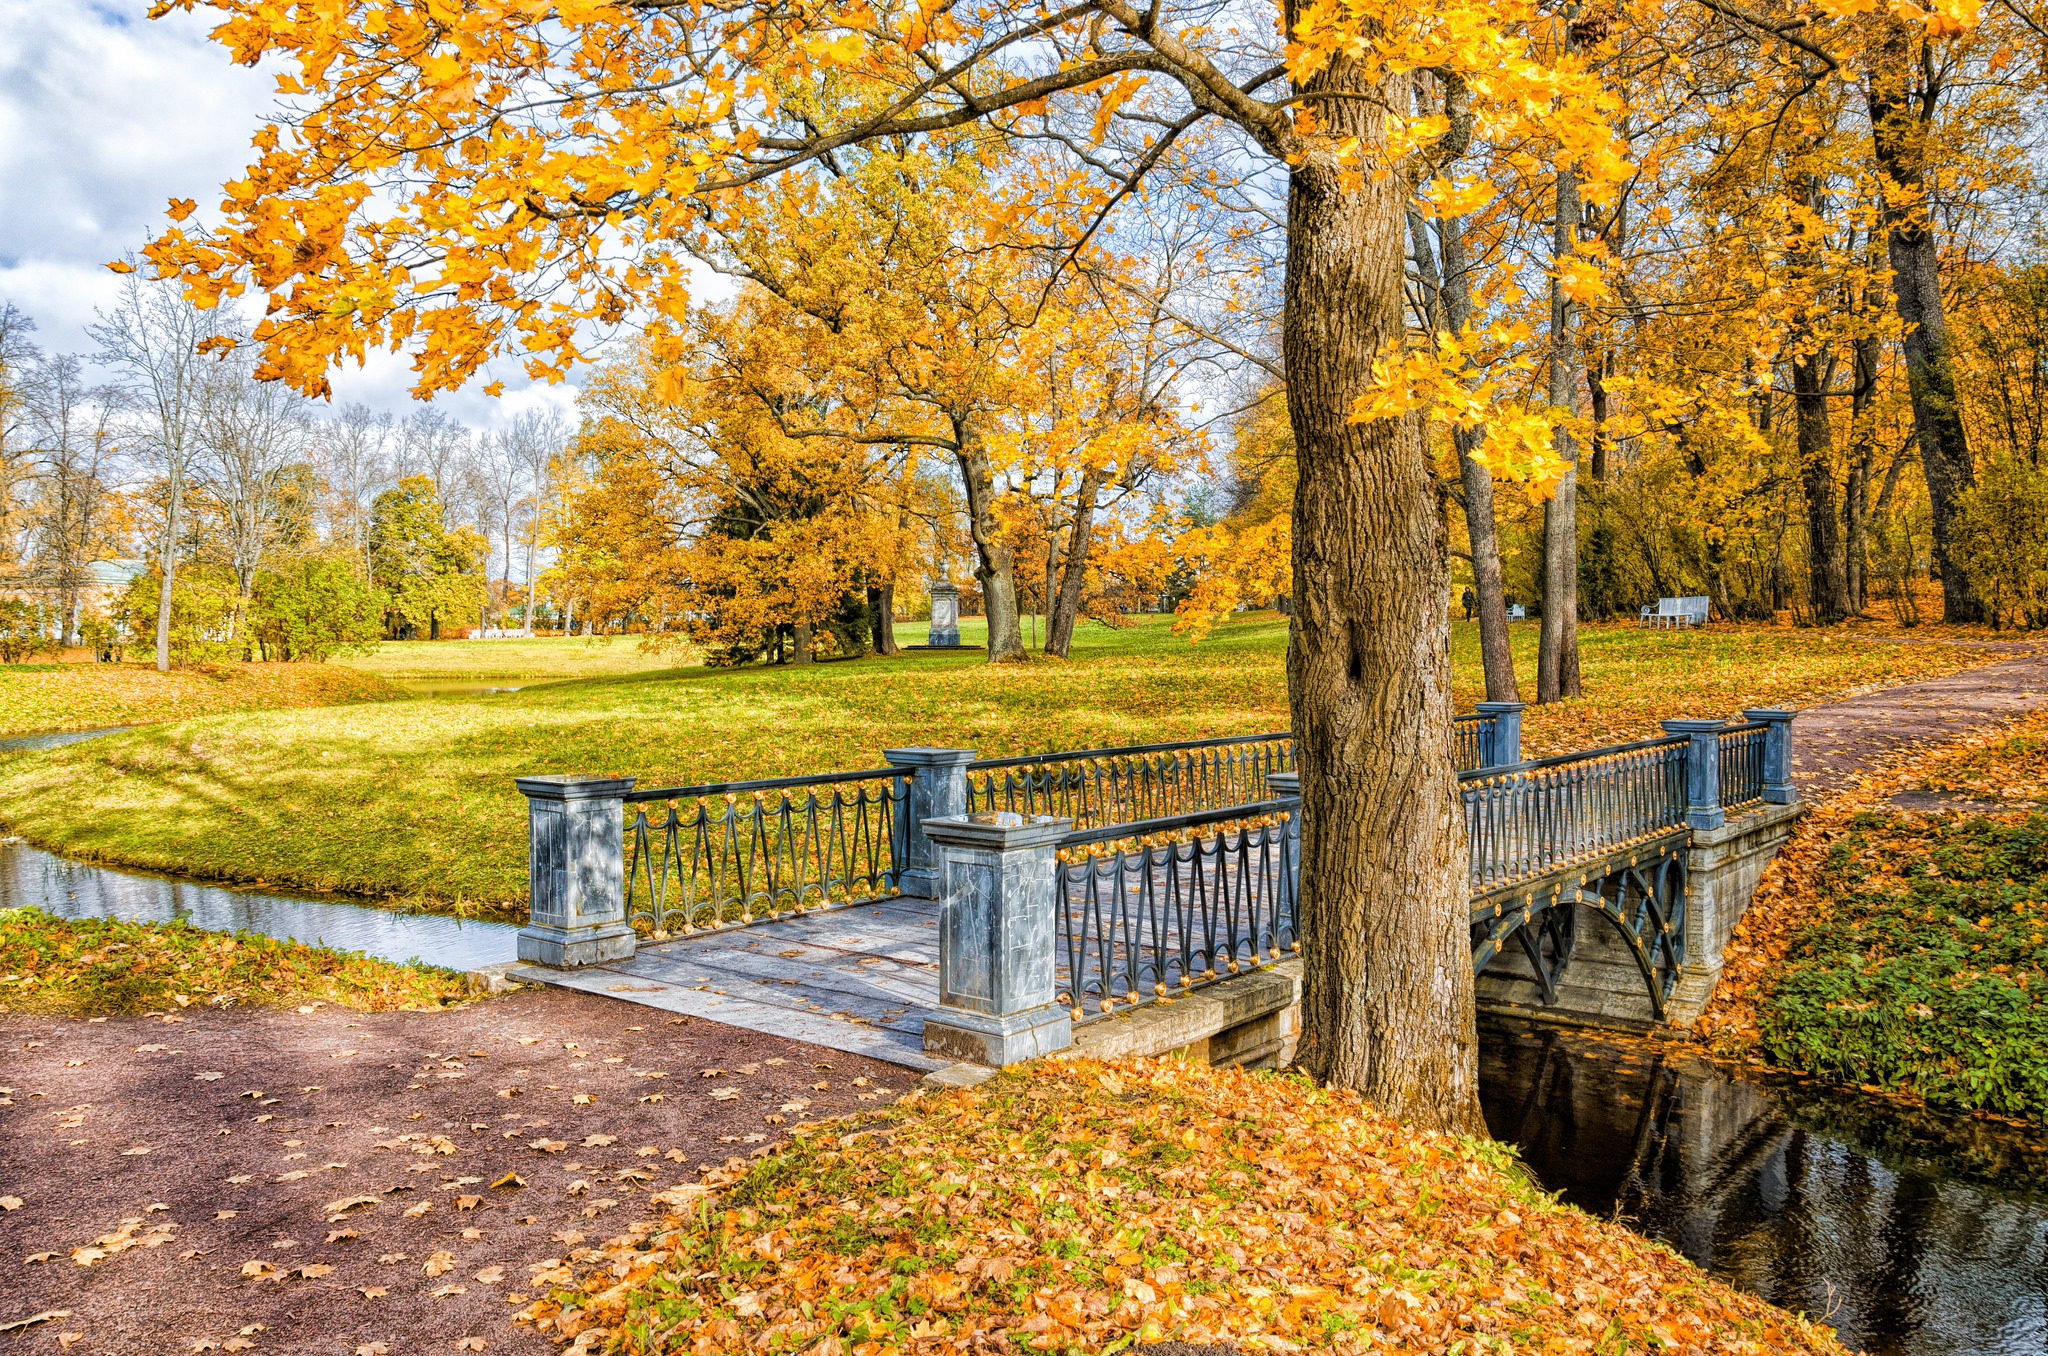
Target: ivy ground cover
point(1087, 1207)
point(413, 801)
point(1907, 950)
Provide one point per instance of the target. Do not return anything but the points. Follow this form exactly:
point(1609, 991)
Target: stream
point(1912, 1232)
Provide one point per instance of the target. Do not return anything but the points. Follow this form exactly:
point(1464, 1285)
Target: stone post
point(945, 615)
point(997, 934)
point(576, 871)
point(1778, 788)
point(1505, 748)
point(1702, 770)
point(938, 790)
point(1282, 785)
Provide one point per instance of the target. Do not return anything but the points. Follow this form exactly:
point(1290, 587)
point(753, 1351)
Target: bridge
point(946, 907)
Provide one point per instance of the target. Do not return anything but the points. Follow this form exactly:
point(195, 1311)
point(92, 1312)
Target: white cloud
point(106, 115)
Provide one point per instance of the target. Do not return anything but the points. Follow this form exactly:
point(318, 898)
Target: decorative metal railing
point(1174, 903)
point(1742, 764)
point(1097, 788)
point(1535, 817)
point(1472, 740)
point(731, 853)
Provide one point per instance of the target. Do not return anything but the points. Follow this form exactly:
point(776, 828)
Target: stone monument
point(945, 615)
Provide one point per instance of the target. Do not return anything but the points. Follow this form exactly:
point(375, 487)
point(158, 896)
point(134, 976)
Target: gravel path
point(329, 1181)
point(1834, 743)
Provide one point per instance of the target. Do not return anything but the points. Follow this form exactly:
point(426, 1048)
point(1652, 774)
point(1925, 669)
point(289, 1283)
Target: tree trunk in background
point(1900, 124)
point(1387, 964)
point(1481, 527)
point(1862, 456)
point(167, 563)
point(882, 600)
point(1557, 647)
point(1827, 573)
point(995, 562)
point(1066, 609)
point(802, 643)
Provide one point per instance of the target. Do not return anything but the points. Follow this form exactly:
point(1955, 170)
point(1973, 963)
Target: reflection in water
point(72, 889)
point(1910, 1231)
point(452, 687)
point(54, 739)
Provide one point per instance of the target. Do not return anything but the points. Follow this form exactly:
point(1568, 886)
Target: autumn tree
point(427, 575)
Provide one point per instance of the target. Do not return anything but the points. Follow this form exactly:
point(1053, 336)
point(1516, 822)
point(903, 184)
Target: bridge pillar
point(1505, 747)
point(938, 790)
point(1702, 770)
point(1777, 752)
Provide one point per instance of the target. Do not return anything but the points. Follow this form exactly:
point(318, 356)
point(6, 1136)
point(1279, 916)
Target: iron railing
point(1742, 764)
point(1535, 817)
point(1097, 788)
point(731, 853)
point(1472, 740)
point(1173, 903)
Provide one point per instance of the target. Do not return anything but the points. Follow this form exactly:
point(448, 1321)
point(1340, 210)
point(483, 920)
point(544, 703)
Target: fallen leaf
point(10, 1202)
point(46, 1316)
point(439, 1264)
point(549, 1146)
point(469, 1344)
point(468, 1202)
point(372, 1348)
point(584, 1099)
point(374, 1292)
point(510, 1179)
point(237, 1344)
point(443, 1292)
point(259, 1268)
point(339, 1235)
point(209, 1076)
point(65, 1339)
point(599, 1141)
point(347, 1203)
point(138, 1149)
point(724, 1094)
point(416, 1211)
point(490, 1275)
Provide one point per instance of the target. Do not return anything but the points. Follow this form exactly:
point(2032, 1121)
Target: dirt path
point(326, 1181)
point(1833, 743)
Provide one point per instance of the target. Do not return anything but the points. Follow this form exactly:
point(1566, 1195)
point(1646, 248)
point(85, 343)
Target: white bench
point(1673, 613)
point(1518, 613)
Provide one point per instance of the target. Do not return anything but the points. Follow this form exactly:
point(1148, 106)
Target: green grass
point(1924, 964)
point(541, 659)
point(413, 800)
point(38, 697)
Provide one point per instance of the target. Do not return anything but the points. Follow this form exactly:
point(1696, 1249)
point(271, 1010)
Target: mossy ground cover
point(98, 965)
point(1907, 951)
point(1085, 1207)
point(413, 800)
point(82, 696)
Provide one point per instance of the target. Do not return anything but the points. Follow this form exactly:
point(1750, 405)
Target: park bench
point(1673, 613)
point(1518, 613)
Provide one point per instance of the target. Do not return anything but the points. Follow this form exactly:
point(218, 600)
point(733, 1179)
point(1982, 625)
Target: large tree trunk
point(1900, 123)
point(1481, 527)
point(801, 643)
point(1862, 456)
point(1387, 963)
point(882, 601)
point(995, 562)
point(1557, 646)
point(1066, 607)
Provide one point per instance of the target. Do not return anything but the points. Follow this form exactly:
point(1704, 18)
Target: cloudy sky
point(105, 115)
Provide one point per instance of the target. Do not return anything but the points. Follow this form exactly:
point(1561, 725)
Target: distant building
point(105, 582)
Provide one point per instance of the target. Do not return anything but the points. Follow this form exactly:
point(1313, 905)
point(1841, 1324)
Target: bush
point(311, 610)
point(2001, 542)
point(26, 630)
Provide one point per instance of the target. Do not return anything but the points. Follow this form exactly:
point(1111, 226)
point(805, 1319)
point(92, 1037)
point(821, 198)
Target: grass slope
point(97, 965)
point(414, 800)
point(37, 697)
point(1077, 1207)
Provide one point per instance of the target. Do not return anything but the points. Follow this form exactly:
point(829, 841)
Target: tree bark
point(1482, 529)
point(1862, 457)
point(1059, 631)
point(882, 601)
point(995, 562)
point(1826, 565)
point(1557, 646)
point(1901, 121)
point(167, 562)
point(801, 643)
point(1387, 963)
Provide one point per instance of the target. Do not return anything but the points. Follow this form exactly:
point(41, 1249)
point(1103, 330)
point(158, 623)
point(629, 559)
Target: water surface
point(1912, 1232)
point(54, 739)
point(71, 889)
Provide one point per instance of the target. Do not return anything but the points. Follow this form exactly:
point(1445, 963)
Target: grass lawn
point(1083, 1207)
point(37, 697)
point(542, 659)
point(1908, 951)
point(97, 965)
point(413, 800)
